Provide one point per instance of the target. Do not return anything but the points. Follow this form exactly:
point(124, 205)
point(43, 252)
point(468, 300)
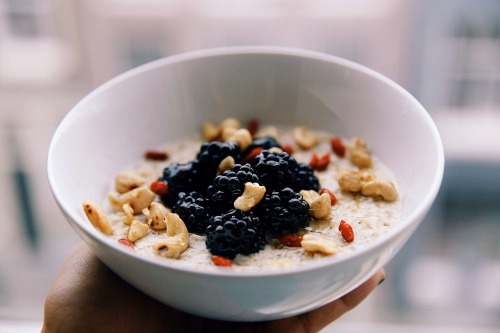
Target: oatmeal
point(253, 199)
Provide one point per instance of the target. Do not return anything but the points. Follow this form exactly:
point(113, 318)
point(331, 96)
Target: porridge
point(250, 198)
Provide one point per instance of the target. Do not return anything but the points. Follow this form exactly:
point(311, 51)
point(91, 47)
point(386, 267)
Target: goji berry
point(126, 242)
point(155, 155)
point(322, 163)
point(290, 240)
point(287, 149)
point(159, 187)
point(319, 163)
point(338, 146)
point(220, 261)
point(313, 161)
point(346, 231)
point(253, 126)
point(333, 200)
point(254, 152)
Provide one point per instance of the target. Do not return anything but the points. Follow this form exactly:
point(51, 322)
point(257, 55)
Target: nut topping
point(316, 243)
point(139, 198)
point(96, 216)
point(137, 230)
point(251, 196)
point(382, 188)
point(304, 138)
point(359, 154)
point(177, 239)
point(319, 205)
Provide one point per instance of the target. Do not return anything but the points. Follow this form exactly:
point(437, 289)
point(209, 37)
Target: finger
point(316, 320)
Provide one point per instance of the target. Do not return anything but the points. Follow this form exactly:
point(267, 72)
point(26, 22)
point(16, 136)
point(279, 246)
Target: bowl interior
point(170, 98)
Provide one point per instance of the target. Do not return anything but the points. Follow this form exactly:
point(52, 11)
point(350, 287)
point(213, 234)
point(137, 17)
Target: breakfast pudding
point(250, 198)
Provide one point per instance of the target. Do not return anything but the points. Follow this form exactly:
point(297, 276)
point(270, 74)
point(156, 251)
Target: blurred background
point(445, 52)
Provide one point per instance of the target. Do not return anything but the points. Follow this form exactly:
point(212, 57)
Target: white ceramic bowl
point(169, 98)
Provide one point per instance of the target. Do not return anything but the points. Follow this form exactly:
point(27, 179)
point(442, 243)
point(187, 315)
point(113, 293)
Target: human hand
point(88, 297)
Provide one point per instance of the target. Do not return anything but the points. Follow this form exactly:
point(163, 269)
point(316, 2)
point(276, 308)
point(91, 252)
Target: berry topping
point(338, 146)
point(234, 233)
point(159, 187)
point(290, 240)
point(220, 261)
point(156, 155)
point(210, 156)
point(230, 185)
point(264, 142)
point(193, 209)
point(274, 169)
point(284, 211)
point(180, 178)
point(304, 178)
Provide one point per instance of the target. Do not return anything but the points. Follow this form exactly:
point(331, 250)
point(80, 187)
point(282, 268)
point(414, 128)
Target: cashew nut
point(129, 214)
point(242, 137)
point(252, 195)
point(276, 150)
point(353, 180)
point(230, 122)
point(385, 189)
point(271, 131)
point(226, 164)
point(177, 239)
point(209, 131)
point(309, 196)
point(316, 243)
point(126, 181)
point(155, 216)
point(138, 199)
point(97, 217)
point(228, 127)
point(137, 230)
point(304, 138)
point(227, 132)
point(319, 205)
point(359, 154)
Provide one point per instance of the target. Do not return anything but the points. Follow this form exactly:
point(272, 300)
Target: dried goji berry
point(346, 231)
point(333, 200)
point(290, 240)
point(253, 126)
point(126, 242)
point(220, 261)
point(322, 163)
point(159, 187)
point(338, 146)
point(313, 161)
point(155, 155)
point(319, 163)
point(287, 149)
point(254, 152)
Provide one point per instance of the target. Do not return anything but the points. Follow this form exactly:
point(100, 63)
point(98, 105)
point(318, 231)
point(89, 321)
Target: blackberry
point(284, 211)
point(234, 233)
point(304, 178)
point(193, 210)
point(264, 142)
point(229, 185)
point(210, 156)
point(275, 170)
point(180, 178)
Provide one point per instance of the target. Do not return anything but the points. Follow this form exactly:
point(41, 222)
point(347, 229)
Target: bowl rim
point(406, 223)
